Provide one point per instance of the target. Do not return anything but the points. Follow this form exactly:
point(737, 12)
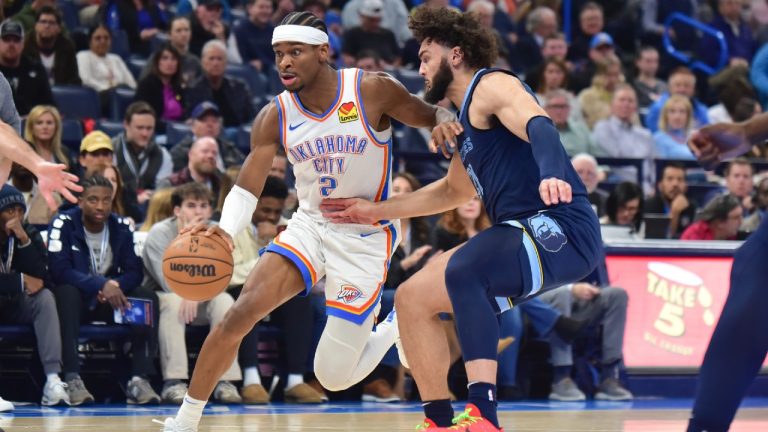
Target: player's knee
point(333, 371)
point(406, 296)
point(457, 281)
point(239, 319)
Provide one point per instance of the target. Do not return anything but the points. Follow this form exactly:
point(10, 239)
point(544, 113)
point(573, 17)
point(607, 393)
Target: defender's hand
point(554, 191)
point(444, 137)
point(349, 210)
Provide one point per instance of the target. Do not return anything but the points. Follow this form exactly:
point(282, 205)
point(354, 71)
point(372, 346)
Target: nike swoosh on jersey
point(292, 127)
point(368, 234)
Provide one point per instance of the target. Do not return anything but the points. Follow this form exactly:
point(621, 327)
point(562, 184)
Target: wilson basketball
point(197, 267)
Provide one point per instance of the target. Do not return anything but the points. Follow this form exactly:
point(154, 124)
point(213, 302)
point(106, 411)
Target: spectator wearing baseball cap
point(27, 77)
point(601, 48)
point(370, 35)
point(207, 122)
point(394, 16)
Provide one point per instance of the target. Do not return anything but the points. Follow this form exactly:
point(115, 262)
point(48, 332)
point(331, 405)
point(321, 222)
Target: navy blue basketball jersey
point(502, 168)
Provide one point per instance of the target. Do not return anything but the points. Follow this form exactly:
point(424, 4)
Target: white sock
point(53, 378)
point(251, 376)
point(294, 380)
point(190, 412)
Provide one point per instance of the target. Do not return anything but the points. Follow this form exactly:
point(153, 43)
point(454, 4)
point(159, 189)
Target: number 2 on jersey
point(327, 185)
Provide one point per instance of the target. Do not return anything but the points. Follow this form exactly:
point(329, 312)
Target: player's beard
point(440, 82)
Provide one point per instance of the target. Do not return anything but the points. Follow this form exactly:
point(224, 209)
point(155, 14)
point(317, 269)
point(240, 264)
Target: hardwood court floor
point(641, 416)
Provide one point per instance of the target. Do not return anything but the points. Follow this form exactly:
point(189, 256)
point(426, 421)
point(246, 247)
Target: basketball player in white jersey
point(335, 128)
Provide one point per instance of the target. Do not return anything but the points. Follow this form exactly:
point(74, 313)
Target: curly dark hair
point(452, 28)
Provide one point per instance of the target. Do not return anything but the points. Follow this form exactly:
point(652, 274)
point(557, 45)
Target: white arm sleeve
point(238, 209)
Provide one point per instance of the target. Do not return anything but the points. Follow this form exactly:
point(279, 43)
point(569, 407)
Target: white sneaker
point(169, 425)
point(5, 405)
point(55, 393)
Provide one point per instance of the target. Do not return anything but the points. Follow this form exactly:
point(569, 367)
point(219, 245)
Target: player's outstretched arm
point(503, 96)
point(396, 102)
point(442, 195)
point(715, 143)
point(240, 202)
point(50, 177)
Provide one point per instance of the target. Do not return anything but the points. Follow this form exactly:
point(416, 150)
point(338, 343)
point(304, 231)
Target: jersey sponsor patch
point(347, 112)
point(348, 294)
point(547, 232)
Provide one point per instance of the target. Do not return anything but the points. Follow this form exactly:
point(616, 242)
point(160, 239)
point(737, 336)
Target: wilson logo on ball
point(194, 270)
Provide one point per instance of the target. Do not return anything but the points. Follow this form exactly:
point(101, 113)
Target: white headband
point(299, 33)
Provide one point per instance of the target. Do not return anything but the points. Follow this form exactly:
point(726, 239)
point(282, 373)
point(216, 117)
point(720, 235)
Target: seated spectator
point(123, 203)
point(159, 208)
point(586, 167)
point(624, 207)
point(96, 152)
point(370, 35)
point(620, 137)
point(38, 212)
point(191, 205)
point(681, 82)
point(592, 300)
point(143, 163)
point(187, 7)
point(394, 17)
point(672, 201)
point(24, 296)
point(27, 16)
point(99, 68)
point(207, 25)
point(674, 126)
point(27, 77)
point(738, 36)
point(53, 49)
point(141, 20)
point(601, 49)
point(720, 219)
point(738, 182)
point(554, 76)
point(648, 87)
point(459, 225)
point(207, 122)
point(43, 131)
point(231, 95)
point(591, 22)
point(595, 101)
point(254, 36)
point(751, 223)
point(94, 267)
point(540, 23)
point(162, 88)
point(292, 317)
point(574, 134)
point(201, 168)
point(554, 47)
point(179, 36)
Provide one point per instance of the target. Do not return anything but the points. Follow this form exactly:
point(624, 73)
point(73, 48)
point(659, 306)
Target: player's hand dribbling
point(188, 311)
point(555, 191)
point(205, 230)
point(349, 210)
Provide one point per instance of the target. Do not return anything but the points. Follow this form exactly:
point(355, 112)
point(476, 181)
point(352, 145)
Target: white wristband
point(238, 209)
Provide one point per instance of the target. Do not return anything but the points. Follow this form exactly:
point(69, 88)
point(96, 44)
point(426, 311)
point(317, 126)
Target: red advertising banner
point(674, 304)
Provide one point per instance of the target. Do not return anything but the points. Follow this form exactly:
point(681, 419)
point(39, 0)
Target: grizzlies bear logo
point(547, 232)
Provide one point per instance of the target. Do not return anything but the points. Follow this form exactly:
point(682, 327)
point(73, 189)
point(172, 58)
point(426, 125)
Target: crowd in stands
point(193, 74)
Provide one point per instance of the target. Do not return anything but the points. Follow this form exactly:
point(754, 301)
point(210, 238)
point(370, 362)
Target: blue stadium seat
point(119, 99)
point(176, 132)
point(71, 134)
point(70, 13)
point(120, 44)
point(136, 65)
point(111, 128)
point(410, 79)
point(77, 102)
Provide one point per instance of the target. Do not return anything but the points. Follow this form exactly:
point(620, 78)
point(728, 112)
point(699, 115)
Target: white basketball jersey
point(336, 154)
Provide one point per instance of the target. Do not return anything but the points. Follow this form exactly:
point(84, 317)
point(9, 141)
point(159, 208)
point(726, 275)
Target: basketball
point(197, 267)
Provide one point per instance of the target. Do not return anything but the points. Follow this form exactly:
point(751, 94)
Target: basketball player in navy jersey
point(545, 232)
point(740, 340)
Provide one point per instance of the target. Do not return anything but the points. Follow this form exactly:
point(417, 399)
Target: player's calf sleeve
point(347, 352)
point(476, 323)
